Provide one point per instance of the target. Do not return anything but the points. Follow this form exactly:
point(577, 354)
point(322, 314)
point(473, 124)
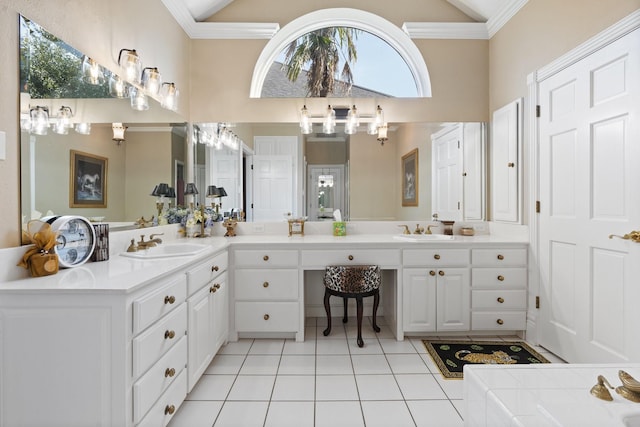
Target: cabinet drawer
point(207, 271)
point(155, 341)
point(499, 300)
point(166, 407)
point(498, 257)
point(322, 258)
point(499, 278)
point(267, 316)
point(266, 258)
point(152, 384)
point(266, 285)
point(156, 304)
point(499, 320)
point(433, 257)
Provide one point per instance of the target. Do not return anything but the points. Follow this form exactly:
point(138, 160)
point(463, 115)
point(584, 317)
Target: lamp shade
point(222, 192)
point(190, 188)
point(213, 191)
point(163, 189)
point(171, 193)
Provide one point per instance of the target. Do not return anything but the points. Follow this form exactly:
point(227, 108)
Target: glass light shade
point(382, 133)
point(379, 120)
point(39, 120)
point(139, 100)
point(92, 72)
point(372, 128)
point(64, 120)
point(353, 118)
point(118, 88)
point(130, 65)
point(60, 128)
point(305, 121)
point(83, 128)
point(329, 124)
point(169, 95)
point(118, 132)
point(151, 80)
point(25, 124)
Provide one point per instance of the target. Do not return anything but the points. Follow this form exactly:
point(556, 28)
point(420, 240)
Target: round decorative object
point(76, 239)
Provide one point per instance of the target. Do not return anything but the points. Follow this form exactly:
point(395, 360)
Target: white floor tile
point(367, 330)
point(459, 405)
point(252, 387)
point(339, 414)
point(290, 414)
point(260, 365)
point(310, 333)
point(385, 332)
point(297, 365)
point(306, 347)
point(419, 386)
point(242, 414)
point(212, 387)
point(386, 414)
point(331, 346)
point(430, 363)
point(378, 387)
point(452, 387)
point(371, 346)
point(225, 364)
point(336, 387)
point(196, 414)
point(333, 364)
point(267, 346)
point(395, 346)
point(407, 364)
point(294, 388)
point(434, 413)
point(239, 347)
point(337, 330)
point(370, 364)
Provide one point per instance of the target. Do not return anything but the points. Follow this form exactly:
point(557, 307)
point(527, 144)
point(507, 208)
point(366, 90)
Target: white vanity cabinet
point(207, 314)
point(436, 290)
point(499, 289)
point(266, 293)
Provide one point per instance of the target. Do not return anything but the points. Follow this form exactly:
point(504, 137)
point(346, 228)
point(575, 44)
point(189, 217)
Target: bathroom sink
point(423, 237)
point(167, 251)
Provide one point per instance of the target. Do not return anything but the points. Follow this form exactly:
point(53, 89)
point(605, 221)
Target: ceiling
point(493, 14)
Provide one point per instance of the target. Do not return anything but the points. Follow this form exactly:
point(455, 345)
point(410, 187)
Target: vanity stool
point(352, 281)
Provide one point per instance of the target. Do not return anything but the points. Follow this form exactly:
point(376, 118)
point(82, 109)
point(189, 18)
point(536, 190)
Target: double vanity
point(122, 342)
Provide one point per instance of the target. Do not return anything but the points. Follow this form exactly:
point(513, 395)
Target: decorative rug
point(451, 356)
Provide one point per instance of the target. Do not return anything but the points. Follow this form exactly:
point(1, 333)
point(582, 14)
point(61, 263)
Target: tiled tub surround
point(84, 320)
point(546, 395)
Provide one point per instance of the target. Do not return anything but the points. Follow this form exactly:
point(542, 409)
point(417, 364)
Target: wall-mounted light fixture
point(351, 118)
point(329, 122)
point(91, 71)
point(83, 128)
point(139, 100)
point(382, 134)
point(118, 88)
point(118, 132)
point(151, 80)
point(39, 123)
point(169, 95)
point(130, 65)
point(217, 135)
point(63, 121)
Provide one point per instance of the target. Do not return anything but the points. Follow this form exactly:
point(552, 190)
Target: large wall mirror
point(75, 162)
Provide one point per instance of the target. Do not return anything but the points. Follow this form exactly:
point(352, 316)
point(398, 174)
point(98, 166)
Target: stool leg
point(359, 315)
point(327, 308)
point(346, 303)
point(376, 301)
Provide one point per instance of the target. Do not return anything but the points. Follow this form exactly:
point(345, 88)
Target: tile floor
point(326, 381)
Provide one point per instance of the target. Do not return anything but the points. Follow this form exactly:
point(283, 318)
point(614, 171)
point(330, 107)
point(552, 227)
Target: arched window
point(372, 24)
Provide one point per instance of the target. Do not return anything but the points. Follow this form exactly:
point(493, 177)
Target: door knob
point(169, 299)
point(432, 273)
point(265, 285)
point(511, 165)
point(634, 236)
point(436, 256)
point(441, 273)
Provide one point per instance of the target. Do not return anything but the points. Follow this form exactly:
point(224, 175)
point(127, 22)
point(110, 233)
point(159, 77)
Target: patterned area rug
point(451, 356)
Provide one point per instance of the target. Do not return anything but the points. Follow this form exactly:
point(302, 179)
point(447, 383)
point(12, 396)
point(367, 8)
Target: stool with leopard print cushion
point(352, 281)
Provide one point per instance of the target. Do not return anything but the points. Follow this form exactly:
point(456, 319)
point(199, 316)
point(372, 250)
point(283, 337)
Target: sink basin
point(167, 251)
point(423, 237)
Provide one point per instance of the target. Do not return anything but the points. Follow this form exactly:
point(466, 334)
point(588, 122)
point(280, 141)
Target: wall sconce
point(139, 100)
point(216, 135)
point(118, 132)
point(305, 121)
point(63, 121)
point(151, 80)
point(349, 116)
point(169, 95)
point(83, 128)
point(91, 71)
point(382, 133)
point(130, 65)
point(118, 88)
point(329, 123)
point(353, 121)
point(378, 120)
point(39, 120)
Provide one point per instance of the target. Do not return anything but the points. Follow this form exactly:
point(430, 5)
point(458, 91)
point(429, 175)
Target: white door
point(473, 175)
point(272, 187)
point(447, 173)
point(505, 145)
point(589, 176)
point(224, 172)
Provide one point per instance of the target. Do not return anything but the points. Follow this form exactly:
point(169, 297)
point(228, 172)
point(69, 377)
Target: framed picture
point(87, 181)
point(410, 178)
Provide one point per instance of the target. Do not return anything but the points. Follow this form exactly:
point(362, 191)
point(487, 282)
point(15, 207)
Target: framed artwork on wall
point(410, 178)
point(87, 181)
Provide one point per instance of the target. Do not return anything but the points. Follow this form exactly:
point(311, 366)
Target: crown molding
point(446, 30)
point(496, 22)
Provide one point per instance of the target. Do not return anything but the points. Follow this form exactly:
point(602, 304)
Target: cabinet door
point(219, 312)
point(419, 299)
point(453, 299)
point(200, 335)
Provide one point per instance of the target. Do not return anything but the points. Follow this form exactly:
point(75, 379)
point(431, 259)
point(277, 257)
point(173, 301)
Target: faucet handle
point(428, 230)
point(155, 234)
point(600, 390)
point(406, 229)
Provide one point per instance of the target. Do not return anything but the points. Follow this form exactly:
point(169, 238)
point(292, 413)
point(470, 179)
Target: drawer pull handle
point(501, 278)
point(169, 372)
point(216, 285)
point(265, 258)
point(169, 410)
point(169, 299)
point(500, 300)
point(215, 268)
point(265, 285)
point(500, 322)
point(436, 256)
point(432, 273)
point(511, 165)
point(266, 317)
point(169, 335)
point(212, 289)
point(441, 273)
point(350, 257)
point(500, 257)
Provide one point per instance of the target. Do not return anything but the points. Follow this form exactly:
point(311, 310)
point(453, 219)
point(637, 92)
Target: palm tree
point(322, 49)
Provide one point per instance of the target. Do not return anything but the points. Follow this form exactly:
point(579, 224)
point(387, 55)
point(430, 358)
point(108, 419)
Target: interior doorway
point(326, 191)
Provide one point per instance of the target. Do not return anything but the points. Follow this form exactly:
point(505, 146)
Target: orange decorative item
point(40, 259)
